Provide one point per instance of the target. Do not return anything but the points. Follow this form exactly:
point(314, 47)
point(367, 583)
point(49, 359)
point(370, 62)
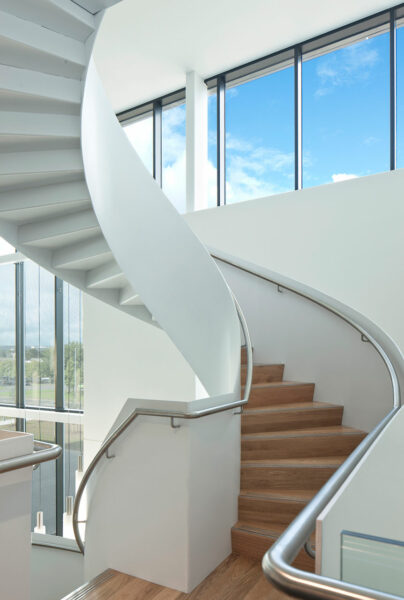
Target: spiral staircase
point(93, 215)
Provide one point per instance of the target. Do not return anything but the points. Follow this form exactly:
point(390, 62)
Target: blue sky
point(345, 126)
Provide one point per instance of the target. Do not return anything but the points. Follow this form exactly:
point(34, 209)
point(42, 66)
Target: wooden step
point(301, 443)
point(271, 508)
point(299, 473)
point(251, 541)
point(299, 415)
point(236, 577)
point(281, 392)
point(263, 373)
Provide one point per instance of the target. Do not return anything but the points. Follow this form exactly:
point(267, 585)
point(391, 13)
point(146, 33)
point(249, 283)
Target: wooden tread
point(264, 373)
point(236, 577)
point(306, 442)
point(252, 541)
point(299, 415)
point(280, 392)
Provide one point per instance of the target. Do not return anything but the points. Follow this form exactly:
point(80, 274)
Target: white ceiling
point(144, 49)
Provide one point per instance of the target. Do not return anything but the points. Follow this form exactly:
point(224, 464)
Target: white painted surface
point(15, 519)
point(163, 508)
point(126, 358)
point(158, 253)
point(343, 239)
point(370, 501)
point(315, 346)
point(196, 142)
point(55, 572)
point(166, 39)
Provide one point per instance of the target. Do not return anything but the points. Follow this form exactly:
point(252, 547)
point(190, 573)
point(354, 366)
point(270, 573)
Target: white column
point(196, 141)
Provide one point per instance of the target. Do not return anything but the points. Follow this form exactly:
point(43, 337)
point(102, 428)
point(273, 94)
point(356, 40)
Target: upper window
point(260, 137)
point(173, 155)
point(346, 112)
point(400, 96)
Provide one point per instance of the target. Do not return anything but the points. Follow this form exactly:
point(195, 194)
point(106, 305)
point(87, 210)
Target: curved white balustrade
point(156, 250)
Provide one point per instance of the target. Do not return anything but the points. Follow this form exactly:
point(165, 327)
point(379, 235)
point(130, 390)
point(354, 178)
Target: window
point(173, 155)
point(73, 348)
point(400, 96)
point(7, 335)
point(28, 341)
point(140, 134)
point(39, 336)
point(260, 137)
point(346, 112)
point(212, 149)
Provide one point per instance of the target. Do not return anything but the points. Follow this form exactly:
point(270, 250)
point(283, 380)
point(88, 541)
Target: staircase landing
point(236, 578)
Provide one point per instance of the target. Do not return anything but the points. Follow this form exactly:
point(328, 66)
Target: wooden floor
point(237, 578)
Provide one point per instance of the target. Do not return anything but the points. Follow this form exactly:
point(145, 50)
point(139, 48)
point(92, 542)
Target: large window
point(41, 344)
point(260, 137)
point(346, 111)
point(315, 113)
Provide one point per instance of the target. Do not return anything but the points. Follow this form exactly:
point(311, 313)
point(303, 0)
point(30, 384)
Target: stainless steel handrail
point(277, 561)
point(42, 453)
point(161, 413)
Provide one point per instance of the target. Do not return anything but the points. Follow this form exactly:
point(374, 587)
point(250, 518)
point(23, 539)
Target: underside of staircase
point(290, 447)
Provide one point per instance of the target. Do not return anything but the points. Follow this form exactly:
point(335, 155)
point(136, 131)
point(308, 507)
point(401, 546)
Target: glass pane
point(39, 336)
point(140, 134)
point(173, 155)
point(260, 137)
point(73, 347)
point(7, 335)
point(212, 150)
point(44, 478)
point(346, 112)
point(73, 448)
point(400, 97)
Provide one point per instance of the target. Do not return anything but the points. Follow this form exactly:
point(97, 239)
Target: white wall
point(125, 357)
point(15, 518)
point(371, 500)
point(163, 508)
point(344, 239)
point(55, 572)
point(315, 346)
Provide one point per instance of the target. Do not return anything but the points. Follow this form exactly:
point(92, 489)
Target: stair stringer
point(175, 276)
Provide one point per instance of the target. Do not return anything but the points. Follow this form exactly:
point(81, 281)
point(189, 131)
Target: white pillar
point(196, 141)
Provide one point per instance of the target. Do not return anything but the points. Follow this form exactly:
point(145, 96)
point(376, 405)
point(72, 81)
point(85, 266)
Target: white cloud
point(342, 177)
point(345, 67)
point(140, 134)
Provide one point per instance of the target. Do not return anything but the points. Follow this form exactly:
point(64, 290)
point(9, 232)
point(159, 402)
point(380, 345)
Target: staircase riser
point(264, 374)
point(304, 447)
point(268, 396)
point(268, 512)
point(285, 478)
point(278, 421)
point(254, 547)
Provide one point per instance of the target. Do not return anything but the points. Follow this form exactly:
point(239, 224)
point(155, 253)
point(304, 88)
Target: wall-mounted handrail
point(197, 414)
point(277, 561)
point(43, 452)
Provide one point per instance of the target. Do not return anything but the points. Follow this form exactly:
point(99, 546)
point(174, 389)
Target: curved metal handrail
point(277, 561)
point(161, 413)
point(42, 453)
